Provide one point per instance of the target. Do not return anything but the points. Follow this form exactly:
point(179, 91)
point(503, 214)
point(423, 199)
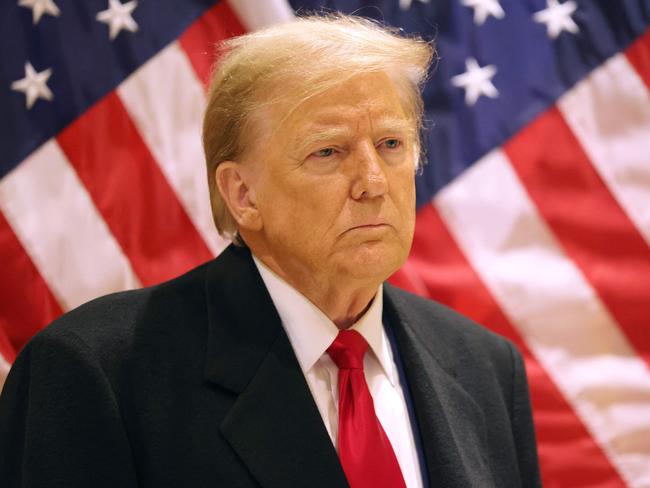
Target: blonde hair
point(295, 61)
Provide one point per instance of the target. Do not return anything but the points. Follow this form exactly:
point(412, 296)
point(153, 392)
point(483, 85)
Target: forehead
point(370, 96)
point(368, 103)
point(372, 99)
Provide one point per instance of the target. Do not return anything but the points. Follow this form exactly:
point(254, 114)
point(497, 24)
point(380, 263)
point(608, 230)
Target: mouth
point(374, 226)
point(363, 226)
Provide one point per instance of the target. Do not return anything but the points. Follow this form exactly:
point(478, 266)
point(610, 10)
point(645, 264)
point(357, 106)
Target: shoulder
point(438, 321)
point(460, 345)
point(113, 327)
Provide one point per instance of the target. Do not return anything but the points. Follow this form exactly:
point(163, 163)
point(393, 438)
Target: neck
point(343, 301)
point(344, 308)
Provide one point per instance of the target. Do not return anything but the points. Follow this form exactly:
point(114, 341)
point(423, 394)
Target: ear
point(233, 181)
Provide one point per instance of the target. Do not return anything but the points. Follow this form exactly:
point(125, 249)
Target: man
point(286, 361)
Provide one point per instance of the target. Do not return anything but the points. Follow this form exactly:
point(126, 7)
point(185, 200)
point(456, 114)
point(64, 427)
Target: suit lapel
point(451, 424)
point(274, 425)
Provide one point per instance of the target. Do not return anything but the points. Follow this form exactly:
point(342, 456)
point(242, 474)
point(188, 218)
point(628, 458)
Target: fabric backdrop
point(533, 208)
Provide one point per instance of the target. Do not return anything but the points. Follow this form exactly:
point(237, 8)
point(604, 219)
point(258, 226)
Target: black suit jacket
point(194, 383)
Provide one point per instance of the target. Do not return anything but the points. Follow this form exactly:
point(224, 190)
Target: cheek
point(320, 198)
point(305, 207)
point(404, 188)
point(404, 197)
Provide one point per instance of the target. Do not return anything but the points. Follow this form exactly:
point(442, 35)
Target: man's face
point(334, 183)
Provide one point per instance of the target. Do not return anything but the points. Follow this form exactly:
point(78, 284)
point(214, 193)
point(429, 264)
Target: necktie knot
point(348, 349)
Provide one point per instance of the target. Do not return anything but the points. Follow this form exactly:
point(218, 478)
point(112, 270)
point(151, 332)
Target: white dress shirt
point(311, 333)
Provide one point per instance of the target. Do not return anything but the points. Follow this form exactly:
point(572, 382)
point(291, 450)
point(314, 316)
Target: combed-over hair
point(294, 62)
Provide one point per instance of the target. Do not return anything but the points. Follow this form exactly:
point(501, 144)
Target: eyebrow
point(318, 134)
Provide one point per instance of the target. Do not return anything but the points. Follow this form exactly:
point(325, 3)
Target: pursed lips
point(369, 226)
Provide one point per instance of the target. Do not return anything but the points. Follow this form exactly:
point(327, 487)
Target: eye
point(392, 143)
point(324, 153)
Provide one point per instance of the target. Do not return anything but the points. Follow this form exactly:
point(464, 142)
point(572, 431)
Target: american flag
point(533, 208)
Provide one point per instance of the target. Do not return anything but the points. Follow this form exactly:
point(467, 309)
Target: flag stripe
point(27, 303)
point(5, 365)
point(254, 17)
point(554, 308)
point(587, 220)
point(172, 131)
point(568, 455)
point(609, 113)
point(66, 238)
point(639, 56)
point(7, 351)
point(198, 41)
point(114, 164)
point(7, 354)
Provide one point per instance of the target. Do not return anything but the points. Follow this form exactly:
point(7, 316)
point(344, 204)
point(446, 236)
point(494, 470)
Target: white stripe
point(556, 311)
point(4, 371)
point(166, 102)
point(255, 15)
point(57, 224)
point(609, 112)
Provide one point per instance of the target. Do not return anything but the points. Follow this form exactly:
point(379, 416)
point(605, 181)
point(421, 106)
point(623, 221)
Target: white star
point(406, 4)
point(118, 17)
point(476, 81)
point(557, 17)
point(40, 7)
point(484, 8)
point(33, 85)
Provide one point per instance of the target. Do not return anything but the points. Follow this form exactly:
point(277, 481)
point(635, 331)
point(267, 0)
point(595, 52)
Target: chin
point(373, 261)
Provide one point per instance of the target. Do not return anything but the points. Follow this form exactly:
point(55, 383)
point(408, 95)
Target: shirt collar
point(311, 332)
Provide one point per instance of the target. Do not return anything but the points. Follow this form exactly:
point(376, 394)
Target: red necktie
point(365, 452)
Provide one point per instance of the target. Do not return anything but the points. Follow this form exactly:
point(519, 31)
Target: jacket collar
point(451, 423)
point(274, 425)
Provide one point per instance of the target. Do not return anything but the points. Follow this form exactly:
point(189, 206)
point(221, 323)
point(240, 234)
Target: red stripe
point(568, 454)
point(130, 192)
point(198, 41)
point(638, 54)
point(27, 304)
point(7, 352)
point(589, 223)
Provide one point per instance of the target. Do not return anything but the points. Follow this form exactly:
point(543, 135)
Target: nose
point(370, 178)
